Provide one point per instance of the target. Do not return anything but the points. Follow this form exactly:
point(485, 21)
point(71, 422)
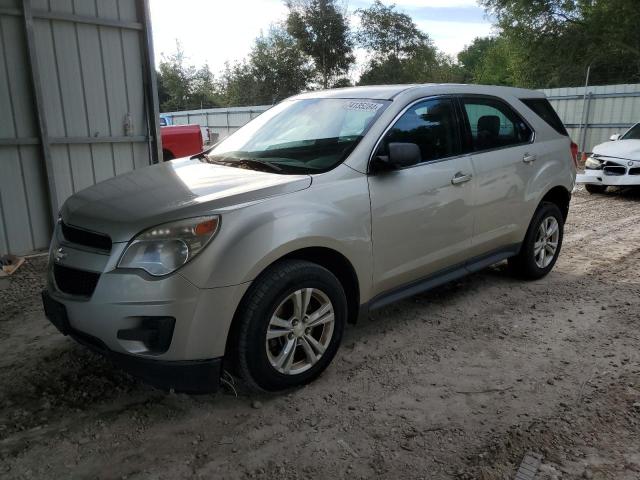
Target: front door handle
point(529, 158)
point(460, 177)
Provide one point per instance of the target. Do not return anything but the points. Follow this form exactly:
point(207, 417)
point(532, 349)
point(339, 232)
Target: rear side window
point(545, 111)
point(493, 124)
point(432, 125)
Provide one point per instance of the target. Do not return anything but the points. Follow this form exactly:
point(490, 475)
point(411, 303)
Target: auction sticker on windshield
point(363, 106)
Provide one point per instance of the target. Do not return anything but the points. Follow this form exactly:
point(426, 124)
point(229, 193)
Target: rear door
point(504, 161)
point(422, 220)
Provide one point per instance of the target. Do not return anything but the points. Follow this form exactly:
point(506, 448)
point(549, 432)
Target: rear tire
point(595, 189)
point(542, 243)
point(290, 325)
point(167, 156)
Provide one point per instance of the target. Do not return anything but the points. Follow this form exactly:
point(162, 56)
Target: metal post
point(581, 133)
point(151, 85)
point(37, 98)
point(583, 140)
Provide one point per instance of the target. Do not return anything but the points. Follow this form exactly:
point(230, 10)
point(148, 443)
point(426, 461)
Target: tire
point(527, 264)
point(167, 156)
point(283, 288)
point(595, 189)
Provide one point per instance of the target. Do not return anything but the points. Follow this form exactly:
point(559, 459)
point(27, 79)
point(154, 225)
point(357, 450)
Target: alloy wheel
point(300, 331)
point(546, 245)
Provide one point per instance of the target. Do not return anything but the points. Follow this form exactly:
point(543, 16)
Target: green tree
point(204, 90)
point(279, 67)
point(399, 52)
point(322, 32)
point(388, 33)
point(174, 80)
point(551, 42)
point(183, 87)
point(274, 70)
point(488, 61)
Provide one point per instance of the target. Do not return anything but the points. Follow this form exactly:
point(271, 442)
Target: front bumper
point(125, 308)
point(189, 376)
point(598, 177)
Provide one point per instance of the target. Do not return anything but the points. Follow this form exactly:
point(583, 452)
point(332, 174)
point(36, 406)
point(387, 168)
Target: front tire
point(542, 243)
point(290, 326)
point(595, 189)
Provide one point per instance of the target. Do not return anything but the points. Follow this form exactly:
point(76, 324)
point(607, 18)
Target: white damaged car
point(614, 163)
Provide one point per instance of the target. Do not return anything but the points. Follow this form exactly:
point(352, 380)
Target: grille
point(75, 282)
point(634, 171)
point(86, 238)
point(614, 170)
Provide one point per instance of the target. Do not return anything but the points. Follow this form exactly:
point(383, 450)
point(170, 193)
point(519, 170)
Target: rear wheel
point(167, 156)
point(595, 189)
point(290, 326)
point(542, 244)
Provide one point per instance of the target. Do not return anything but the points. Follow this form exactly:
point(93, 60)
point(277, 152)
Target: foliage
point(399, 52)
point(550, 43)
point(274, 70)
point(322, 32)
point(387, 33)
point(538, 43)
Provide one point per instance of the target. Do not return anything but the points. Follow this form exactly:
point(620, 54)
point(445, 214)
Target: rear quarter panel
point(554, 165)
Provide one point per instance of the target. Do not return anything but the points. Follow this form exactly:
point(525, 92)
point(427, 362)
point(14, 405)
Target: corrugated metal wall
point(608, 109)
point(24, 211)
point(221, 121)
point(75, 95)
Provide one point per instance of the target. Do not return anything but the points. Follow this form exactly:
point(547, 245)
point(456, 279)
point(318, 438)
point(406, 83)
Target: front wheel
point(542, 243)
point(290, 326)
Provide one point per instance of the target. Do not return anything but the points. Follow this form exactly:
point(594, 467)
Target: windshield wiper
point(245, 161)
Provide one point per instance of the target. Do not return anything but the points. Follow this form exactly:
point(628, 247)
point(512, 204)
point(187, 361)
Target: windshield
point(299, 136)
point(633, 133)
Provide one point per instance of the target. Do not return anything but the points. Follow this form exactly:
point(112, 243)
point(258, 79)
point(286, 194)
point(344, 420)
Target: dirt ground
point(459, 383)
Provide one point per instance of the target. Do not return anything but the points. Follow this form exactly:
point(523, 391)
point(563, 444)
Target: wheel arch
point(326, 257)
point(561, 197)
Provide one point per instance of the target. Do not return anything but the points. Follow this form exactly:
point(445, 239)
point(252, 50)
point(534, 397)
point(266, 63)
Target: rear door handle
point(529, 158)
point(459, 178)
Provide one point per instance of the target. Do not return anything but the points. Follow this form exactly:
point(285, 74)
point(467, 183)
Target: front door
point(422, 216)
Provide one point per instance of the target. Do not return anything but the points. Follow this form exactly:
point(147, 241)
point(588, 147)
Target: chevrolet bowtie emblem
point(60, 255)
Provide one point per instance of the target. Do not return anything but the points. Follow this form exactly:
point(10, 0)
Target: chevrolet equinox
point(254, 254)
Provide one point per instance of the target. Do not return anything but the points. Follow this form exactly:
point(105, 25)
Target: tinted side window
point(432, 125)
point(494, 124)
point(545, 111)
point(632, 134)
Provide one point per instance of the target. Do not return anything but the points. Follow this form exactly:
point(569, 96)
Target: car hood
point(625, 149)
point(125, 205)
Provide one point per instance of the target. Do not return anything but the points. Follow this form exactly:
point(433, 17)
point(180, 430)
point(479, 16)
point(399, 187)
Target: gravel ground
point(460, 383)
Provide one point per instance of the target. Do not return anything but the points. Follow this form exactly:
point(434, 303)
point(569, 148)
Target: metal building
point(78, 105)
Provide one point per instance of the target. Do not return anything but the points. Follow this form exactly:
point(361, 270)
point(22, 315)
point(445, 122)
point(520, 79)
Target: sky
point(217, 31)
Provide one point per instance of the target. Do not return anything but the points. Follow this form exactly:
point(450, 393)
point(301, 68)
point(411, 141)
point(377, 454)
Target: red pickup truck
point(180, 141)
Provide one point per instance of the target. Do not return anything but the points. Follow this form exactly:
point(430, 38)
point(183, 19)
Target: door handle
point(529, 158)
point(459, 178)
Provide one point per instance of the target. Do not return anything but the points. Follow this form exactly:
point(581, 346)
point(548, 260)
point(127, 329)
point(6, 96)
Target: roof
point(389, 92)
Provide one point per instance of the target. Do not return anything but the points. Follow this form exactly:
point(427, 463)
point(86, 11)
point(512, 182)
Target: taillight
point(574, 153)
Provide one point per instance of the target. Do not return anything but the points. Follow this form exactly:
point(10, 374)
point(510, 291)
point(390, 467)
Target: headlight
point(163, 249)
point(592, 164)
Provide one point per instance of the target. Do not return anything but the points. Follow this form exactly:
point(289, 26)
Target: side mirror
point(614, 137)
point(401, 155)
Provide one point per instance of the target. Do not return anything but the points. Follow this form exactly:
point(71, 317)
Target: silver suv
point(253, 255)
